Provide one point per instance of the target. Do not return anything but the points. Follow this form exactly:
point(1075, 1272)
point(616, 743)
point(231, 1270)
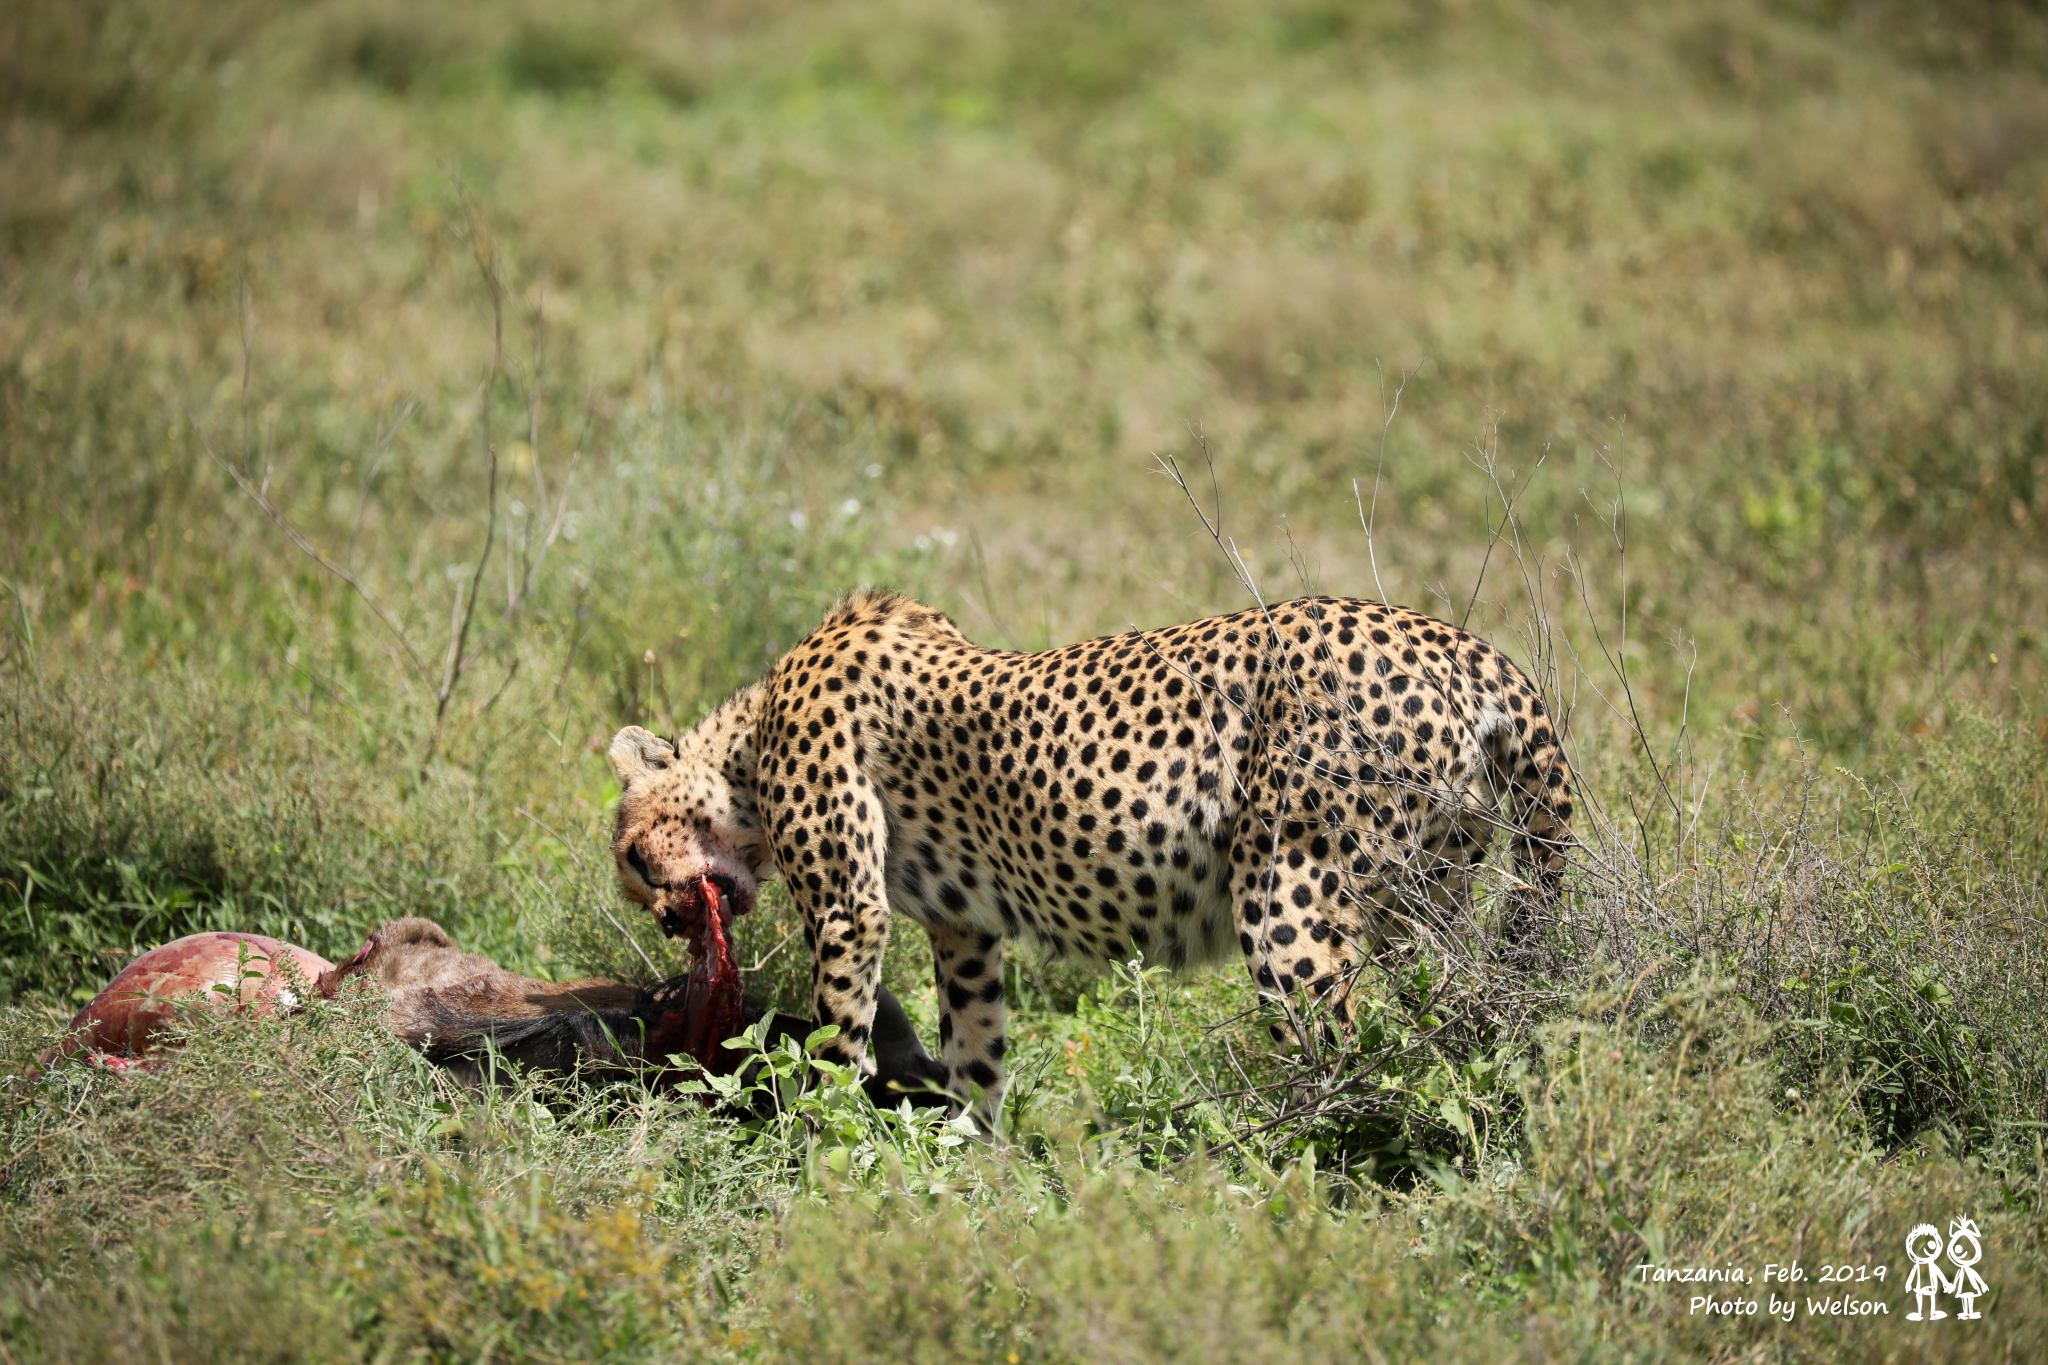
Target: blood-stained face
point(688, 830)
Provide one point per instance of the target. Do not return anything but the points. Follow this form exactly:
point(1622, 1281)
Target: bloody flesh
point(216, 972)
point(438, 992)
point(710, 1008)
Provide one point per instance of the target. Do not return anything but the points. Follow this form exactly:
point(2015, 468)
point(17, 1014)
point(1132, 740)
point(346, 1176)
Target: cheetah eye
point(639, 866)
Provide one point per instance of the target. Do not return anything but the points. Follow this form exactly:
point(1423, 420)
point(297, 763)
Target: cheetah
point(1299, 780)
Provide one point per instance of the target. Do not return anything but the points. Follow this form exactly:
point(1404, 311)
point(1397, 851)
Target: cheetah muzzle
point(1297, 781)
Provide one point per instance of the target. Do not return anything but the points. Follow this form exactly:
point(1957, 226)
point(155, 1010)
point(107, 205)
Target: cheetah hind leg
point(972, 1017)
point(1298, 921)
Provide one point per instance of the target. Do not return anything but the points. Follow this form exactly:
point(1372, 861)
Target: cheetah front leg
point(972, 1016)
point(829, 841)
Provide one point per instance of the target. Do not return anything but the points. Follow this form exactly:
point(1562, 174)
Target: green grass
point(1744, 304)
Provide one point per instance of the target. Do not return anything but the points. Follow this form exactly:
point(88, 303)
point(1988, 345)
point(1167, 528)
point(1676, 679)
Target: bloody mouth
point(711, 1008)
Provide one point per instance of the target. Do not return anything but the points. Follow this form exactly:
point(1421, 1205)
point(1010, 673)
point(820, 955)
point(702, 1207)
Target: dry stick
point(247, 319)
point(1539, 635)
point(1618, 529)
point(603, 909)
point(511, 672)
point(456, 624)
point(457, 662)
point(260, 493)
point(385, 433)
point(325, 690)
point(1506, 518)
point(261, 497)
point(1542, 640)
point(1317, 1107)
point(556, 520)
point(1171, 467)
point(1693, 834)
point(540, 485)
point(487, 267)
point(1366, 517)
point(530, 388)
point(1587, 797)
point(1298, 557)
point(1618, 664)
point(769, 956)
point(575, 639)
point(1379, 1062)
point(460, 656)
point(981, 577)
point(559, 519)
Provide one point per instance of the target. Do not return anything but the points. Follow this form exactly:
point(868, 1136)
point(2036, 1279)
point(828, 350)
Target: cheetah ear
point(636, 753)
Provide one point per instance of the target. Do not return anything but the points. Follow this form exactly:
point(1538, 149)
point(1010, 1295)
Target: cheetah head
point(688, 821)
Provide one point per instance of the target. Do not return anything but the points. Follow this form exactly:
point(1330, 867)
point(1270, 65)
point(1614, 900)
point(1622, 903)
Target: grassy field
point(397, 399)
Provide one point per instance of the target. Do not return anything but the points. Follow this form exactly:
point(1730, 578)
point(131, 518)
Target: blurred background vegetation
point(642, 331)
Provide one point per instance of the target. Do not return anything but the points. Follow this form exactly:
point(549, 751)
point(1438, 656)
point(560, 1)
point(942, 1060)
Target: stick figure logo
point(1923, 1245)
point(1965, 1248)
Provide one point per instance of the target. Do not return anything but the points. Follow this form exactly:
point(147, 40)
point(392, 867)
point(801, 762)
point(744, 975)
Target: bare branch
point(261, 497)
point(981, 576)
point(1508, 495)
point(1367, 516)
point(448, 673)
point(488, 268)
point(387, 430)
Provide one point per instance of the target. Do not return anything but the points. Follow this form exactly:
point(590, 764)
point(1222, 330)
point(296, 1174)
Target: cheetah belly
point(1097, 898)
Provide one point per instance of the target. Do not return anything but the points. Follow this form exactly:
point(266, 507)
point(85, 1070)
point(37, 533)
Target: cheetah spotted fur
point(1297, 779)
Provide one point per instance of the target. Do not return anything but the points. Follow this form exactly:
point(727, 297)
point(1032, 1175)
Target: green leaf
point(1455, 1115)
